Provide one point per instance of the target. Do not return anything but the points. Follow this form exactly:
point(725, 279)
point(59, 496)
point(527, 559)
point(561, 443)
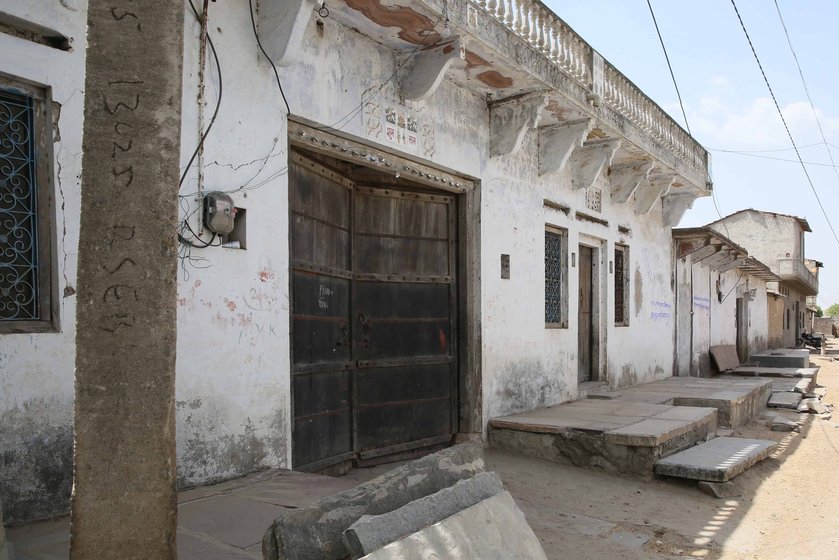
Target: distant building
point(779, 241)
point(721, 299)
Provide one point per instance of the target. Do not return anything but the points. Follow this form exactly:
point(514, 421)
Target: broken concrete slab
point(373, 532)
point(718, 460)
point(814, 406)
point(720, 489)
point(783, 425)
point(316, 532)
point(494, 529)
point(784, 400)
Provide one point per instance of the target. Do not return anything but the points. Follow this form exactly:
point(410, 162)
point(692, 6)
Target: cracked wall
point(36, 370)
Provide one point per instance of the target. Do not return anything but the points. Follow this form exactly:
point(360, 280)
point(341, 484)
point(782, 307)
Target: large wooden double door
point(374, 310)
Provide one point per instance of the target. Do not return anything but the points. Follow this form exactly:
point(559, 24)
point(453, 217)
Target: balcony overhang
point(795, 274)
point(510, 49)
point(718, 252)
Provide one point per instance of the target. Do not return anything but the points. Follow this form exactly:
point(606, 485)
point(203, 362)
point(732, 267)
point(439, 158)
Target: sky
point(728, 105)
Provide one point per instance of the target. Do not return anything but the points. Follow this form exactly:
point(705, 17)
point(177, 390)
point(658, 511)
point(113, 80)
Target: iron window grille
point(556, 275)
point(25, 239)
point(621, 285)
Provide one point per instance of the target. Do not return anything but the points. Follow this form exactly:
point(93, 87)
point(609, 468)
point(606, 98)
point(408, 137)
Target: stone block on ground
point(784, 400)
point(783, 425)
point(494, 529)
point(718, 460)
point(372, 532)
point(316, 532)
point(720, 489)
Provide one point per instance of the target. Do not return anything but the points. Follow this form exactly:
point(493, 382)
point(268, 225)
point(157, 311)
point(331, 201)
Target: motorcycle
point(813, 341)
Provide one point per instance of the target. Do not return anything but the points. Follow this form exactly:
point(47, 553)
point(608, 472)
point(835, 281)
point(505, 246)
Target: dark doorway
point(585, 332)
point(374, 320)
point(742, 329)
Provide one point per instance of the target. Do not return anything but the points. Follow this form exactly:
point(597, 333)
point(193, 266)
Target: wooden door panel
point(584, 342)
point(320, 326)
point(320, 319)
point(400, 256)
point(322, 424)
point(403, 307)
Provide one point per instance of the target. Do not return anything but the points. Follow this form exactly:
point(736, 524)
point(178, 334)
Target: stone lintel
point(556, 143)
point(674, 206)
point(510, 119)
point(648, 194)
point(588, 161)
point(427, 69)
point(282, 25)
point(626, 178)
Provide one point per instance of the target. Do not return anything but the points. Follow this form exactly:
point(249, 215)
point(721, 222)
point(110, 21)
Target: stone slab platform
point(785, 399)
point(782, 357)
point(616, 435)
point(718, 460)
point(736, 399)
point(776, 372)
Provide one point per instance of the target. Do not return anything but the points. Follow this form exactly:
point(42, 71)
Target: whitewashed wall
point(233, 384)
point(36, 370)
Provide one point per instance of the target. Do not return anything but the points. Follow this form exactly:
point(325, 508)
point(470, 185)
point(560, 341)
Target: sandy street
point(789, 506)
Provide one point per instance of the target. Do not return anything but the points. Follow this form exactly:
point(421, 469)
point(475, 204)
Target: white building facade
point(463, 211)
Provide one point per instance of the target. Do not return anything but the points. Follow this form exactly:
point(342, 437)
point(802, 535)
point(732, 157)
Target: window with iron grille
point(621, 285)
point(556, 275)
point(25, 239)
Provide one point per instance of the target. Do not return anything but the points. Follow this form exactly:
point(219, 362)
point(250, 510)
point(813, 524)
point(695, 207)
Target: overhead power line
point(806, 89)
point(784, 121)
point(673, 76)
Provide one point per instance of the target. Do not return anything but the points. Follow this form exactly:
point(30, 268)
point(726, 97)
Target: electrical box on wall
point(219, 212)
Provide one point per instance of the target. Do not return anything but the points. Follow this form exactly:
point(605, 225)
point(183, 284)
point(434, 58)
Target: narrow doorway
point(742, 329)
point(585, 330)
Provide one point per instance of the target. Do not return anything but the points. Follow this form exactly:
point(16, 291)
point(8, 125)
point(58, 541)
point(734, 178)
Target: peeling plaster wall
point(233, 384)
point(526, 365)
point(36, 370)
point(711, 322)
point(233, 402)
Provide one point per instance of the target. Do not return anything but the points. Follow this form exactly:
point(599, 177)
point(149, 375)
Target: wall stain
point(639, 290)
point(36, 466)
point(413, 27)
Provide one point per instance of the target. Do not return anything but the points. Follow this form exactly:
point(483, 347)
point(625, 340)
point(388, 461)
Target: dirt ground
point(789, 507)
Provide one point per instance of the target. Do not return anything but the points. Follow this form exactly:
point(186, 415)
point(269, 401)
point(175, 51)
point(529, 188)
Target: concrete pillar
point(124, 500)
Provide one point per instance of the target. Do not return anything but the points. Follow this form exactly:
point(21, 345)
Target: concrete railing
point(794, 270)
point(543, 30)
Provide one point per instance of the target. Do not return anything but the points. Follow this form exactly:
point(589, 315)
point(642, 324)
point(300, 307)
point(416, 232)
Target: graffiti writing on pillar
point(121, 99)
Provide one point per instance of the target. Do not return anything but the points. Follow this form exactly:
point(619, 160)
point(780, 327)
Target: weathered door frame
point(598, 305)
point(313, 138)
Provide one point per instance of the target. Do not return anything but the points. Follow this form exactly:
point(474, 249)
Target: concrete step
point(775, 372)
point(785, 399)
point(718, 460)
point(782, 357)
point(614, 435)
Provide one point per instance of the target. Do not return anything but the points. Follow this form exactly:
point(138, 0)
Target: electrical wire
point(273, 66)
point(754, 155)
point(784, 121)
point(669, 67)
point(806, 89)
point(218, 102)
